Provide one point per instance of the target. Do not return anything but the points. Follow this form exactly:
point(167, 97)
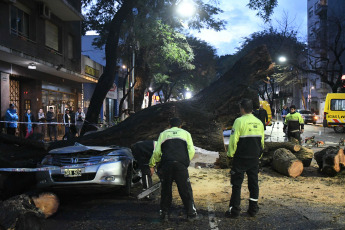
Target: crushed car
point(88, 167)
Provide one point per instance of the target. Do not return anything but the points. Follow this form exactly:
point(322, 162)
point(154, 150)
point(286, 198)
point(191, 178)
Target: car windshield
point(305, 112)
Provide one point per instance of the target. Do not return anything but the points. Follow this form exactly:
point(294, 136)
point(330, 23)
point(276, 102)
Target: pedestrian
point(294, 124)
point(11, 119)
point(67, 122)
point(73, 129)
point(142, 152)
point(79, 119)
point(174, 151)
point(245, 146)
point(285, 111)
point(261, 114)
point(51, 117)
point(29, 118)
point(41, 126)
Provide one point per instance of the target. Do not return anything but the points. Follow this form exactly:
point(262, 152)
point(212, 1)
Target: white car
point(88, 167)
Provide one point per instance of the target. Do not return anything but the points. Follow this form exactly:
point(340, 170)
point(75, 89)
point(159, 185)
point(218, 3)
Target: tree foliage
point(264, 7)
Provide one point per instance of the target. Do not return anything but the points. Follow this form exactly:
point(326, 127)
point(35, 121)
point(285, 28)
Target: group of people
point(73, 122)
point(171, 154)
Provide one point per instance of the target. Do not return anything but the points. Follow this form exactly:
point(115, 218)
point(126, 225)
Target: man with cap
point(245, 146)
point(174, 151)
point(294, 124)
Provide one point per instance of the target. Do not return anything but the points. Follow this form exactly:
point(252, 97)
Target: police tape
point(46, 168)
point(29, 169)
point(38, 123)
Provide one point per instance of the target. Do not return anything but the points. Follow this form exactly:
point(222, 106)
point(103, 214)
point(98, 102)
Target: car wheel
point(314, 123)
point(338, 129)
point(128, 185)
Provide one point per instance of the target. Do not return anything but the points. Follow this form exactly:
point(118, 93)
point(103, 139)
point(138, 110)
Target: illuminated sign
point(91, 71)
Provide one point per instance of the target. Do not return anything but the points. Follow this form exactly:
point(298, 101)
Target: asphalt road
point(113, 211)
point(116, 211)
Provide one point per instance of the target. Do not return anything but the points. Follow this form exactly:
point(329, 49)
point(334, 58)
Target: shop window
point(52, 36)
point(14, 92)
point(27, 104)
point(19, 22)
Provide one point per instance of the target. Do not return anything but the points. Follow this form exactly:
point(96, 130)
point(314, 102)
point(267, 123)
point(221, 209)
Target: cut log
point(25, 212)
point(330, 160)
point(272, 146)
point(305, 155)
point(266, 159)
point(286, 163)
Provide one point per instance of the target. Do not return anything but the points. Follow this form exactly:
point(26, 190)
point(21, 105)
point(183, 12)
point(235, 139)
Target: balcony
point(63, 10)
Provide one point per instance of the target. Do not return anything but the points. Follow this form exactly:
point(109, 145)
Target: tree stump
point(305, 155)
point(286, 163)
point(330, 160)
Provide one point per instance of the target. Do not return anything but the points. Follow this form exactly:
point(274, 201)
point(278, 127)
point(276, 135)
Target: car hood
point(78, 149)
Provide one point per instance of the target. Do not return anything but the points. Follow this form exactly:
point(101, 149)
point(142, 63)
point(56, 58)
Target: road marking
point(212, 217)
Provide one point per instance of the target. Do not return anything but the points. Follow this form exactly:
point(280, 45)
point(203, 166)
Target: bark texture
point(204, 116)
point(286, 163)
point(305, 155)
point(330, 160)
point(271, 146)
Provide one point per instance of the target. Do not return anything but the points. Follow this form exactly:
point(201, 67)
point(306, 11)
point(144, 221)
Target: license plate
point(72, 172)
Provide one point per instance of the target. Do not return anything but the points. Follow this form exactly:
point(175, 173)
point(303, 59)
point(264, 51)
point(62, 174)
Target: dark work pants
point(296, 135)
point(175, 171)
point(239, 167)
point(52, 131)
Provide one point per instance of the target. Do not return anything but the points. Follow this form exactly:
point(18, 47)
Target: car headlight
point(110, 159)
point(315, 118)
point(47, 160)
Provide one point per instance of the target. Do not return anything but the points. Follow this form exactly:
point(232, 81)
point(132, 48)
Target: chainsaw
point(150, 190)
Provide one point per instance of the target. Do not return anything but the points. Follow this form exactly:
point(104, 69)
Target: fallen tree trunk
point(305, 155)
point(272, 146)
point(286, 163)
point(330, 160)
point(204, 116)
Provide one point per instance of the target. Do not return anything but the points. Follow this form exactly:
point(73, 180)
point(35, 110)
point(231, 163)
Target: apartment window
point(19, 22)
point(53, 39)
point(70, 47)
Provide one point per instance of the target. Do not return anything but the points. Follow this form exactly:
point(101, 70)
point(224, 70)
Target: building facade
point(322, 32)
point(40, 56)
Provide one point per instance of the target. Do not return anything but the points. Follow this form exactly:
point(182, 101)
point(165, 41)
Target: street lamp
point(309, 96)
point(188, 95)
point(282, 59)
point(186, 8)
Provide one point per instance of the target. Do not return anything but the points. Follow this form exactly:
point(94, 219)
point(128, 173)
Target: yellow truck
point(334, 112)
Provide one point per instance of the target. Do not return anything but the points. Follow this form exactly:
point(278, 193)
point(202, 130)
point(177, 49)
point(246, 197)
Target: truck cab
point(334, 112)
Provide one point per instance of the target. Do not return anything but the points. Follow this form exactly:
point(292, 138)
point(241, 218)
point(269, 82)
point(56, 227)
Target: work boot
point(253, 208)
point(194, 217)
point(164, 216)
point(232, 213)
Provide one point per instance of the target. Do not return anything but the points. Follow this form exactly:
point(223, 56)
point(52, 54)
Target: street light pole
point(309, 96)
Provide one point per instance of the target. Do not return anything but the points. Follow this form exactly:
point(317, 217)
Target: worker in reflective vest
point(294, 124)
point(245, 146)
point(174, 151)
